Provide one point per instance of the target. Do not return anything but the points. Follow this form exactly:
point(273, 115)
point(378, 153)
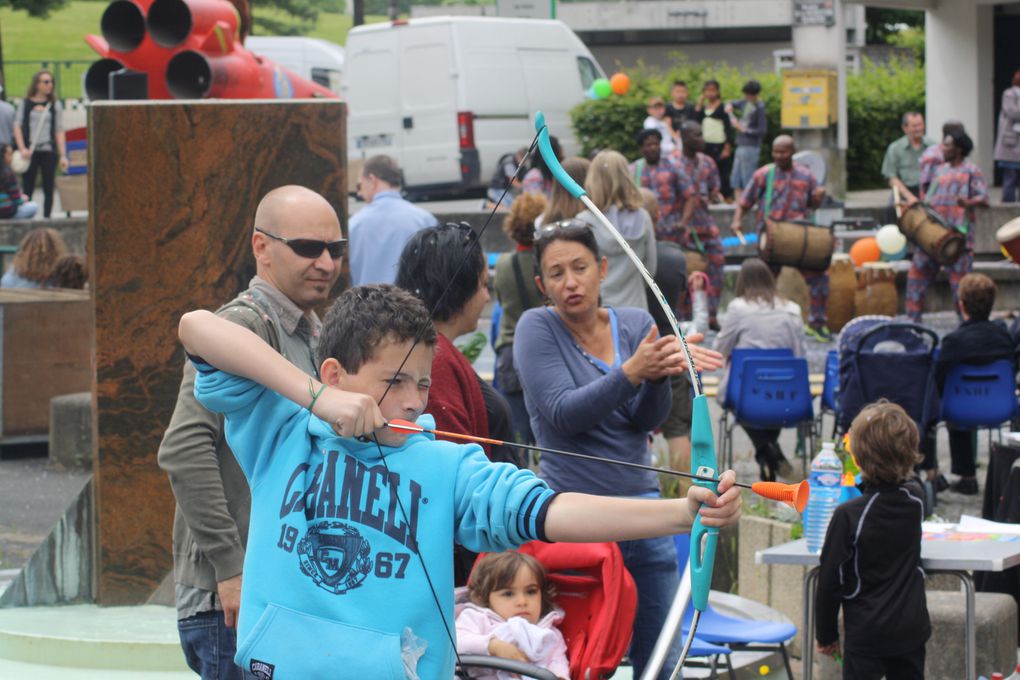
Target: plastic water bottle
point(825, 483)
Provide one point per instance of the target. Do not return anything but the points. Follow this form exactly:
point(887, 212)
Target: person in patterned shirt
point(700, 177)
point(957, 187)
point(932, 156)
point(795, 192)
point(654, 172)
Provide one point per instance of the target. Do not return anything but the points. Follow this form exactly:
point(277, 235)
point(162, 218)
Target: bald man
point(785, 191)
point(297, 247)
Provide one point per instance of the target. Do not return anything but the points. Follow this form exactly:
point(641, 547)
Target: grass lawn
point(60, 38)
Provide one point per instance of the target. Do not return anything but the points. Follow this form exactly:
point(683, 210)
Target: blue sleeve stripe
point(531, 521)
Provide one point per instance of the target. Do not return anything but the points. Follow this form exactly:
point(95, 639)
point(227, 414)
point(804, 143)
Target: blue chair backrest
point(737, 359)
point(831, 380)
point(979, 396)
point(775, 393)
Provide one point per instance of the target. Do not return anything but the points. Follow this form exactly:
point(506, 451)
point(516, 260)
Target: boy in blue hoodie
point(349, 570)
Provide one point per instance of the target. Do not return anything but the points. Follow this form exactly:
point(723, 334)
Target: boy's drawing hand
point(831, 649)
point(506, 650)
point(717, 510)
point(350, 413)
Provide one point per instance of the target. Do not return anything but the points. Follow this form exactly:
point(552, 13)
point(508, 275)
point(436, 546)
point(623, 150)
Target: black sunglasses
point(310, 248)
point(560, 228)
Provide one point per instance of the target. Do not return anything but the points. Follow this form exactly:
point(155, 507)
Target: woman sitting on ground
point(13, 204)
point(37, 253)
point(759, 318)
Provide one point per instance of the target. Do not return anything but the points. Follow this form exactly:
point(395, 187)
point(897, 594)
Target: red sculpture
point(189, 49)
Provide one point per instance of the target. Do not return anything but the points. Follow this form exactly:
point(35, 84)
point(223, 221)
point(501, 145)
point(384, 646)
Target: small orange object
point(796, 495)
point(865, 250)
point(620, 83)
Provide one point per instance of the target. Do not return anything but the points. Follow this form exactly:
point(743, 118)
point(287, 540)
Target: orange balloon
point(865, 250)
point(620, 82)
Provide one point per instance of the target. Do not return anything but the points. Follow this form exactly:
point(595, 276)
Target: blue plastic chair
point(979, 396)
point(776, 393)
point(737, 358)
point(736, 634)
point(827, 403)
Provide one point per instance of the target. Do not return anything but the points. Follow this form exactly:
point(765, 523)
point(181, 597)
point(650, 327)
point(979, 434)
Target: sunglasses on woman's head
point(310, 248)
point(571, 226)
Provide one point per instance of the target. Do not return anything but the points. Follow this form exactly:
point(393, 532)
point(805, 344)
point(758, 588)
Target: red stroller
point(599, 599)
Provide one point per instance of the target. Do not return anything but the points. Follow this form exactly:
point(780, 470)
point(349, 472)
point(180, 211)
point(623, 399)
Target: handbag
point(20, 161)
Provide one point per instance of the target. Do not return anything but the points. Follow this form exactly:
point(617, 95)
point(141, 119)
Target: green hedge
point(876, 98)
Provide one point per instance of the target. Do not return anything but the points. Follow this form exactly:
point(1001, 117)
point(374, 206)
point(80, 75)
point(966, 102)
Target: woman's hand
point(831, 649)
point(507, 650)
point(63, 164)
point(704, 359)
point(654, 359)
point(716, 510)
point(350, 414)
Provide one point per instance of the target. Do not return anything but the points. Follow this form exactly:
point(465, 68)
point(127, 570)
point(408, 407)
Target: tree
point(286, 17)
point(34, 8)
point(884, 23)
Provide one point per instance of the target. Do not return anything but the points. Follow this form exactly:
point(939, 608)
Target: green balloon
point(602, 88)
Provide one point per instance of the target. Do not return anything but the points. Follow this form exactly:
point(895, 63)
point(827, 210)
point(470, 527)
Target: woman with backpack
point(39, 135)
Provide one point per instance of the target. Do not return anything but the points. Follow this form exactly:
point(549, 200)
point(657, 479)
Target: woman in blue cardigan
point(596, 381)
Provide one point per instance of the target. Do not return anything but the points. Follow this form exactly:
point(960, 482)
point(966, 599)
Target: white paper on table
point(970, 524)
point(937, 527)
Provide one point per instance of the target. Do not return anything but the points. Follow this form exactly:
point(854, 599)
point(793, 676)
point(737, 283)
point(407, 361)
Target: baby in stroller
point(511, 614)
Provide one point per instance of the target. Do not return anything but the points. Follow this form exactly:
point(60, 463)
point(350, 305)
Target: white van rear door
point(373, 97)
point(428, 92)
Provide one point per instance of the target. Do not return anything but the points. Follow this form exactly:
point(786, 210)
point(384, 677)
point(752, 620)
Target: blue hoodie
point(333, 583)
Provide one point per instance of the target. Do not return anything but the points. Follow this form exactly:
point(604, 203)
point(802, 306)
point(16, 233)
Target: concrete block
point(71, 430)
point(753, 579)
point(995, 617)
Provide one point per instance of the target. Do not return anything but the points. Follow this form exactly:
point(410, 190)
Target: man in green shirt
point(902, 166)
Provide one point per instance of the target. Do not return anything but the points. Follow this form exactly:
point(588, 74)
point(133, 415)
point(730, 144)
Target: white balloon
point(890, 239)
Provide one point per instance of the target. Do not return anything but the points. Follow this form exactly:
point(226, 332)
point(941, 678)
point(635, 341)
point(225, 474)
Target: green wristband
point(315, 395)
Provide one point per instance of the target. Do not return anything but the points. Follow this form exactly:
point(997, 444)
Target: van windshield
point(589, 72)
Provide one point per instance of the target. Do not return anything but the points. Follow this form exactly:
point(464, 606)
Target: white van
point(447, 96)
point(317, 60)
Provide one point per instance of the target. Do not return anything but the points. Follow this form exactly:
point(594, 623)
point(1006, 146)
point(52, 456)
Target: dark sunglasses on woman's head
point(571, 226)
point(310, 248)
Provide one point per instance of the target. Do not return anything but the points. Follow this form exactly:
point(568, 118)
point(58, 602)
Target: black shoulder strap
point(522, 290)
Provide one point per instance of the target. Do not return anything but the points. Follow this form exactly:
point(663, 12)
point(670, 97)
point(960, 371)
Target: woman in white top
point(759, 318)
point(611, 187)
point(39, 132)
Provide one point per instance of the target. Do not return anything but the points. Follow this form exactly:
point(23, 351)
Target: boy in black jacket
point(871, 560)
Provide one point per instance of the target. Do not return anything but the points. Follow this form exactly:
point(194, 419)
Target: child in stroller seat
point(511, 614)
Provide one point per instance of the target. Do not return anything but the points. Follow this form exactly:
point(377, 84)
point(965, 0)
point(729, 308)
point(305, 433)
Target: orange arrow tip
point(406, 425)
point(796, 495)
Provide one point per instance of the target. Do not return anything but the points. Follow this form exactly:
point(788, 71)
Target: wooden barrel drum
point(925, 229)
point(796, 244)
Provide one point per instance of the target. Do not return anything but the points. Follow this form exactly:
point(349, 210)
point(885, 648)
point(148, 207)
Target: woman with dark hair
point(69, 271)
point(957, 187)
point(13, 204)
point(759, 318)
point(39, 133)
point(37, 253)
point(539, 179)
point(595, 380)
point(1007, 140)
point(446, 268)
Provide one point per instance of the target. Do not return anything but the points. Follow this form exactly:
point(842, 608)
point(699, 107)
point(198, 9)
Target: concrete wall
point(958, 72)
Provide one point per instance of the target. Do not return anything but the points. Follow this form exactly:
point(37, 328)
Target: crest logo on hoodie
point(335, 556)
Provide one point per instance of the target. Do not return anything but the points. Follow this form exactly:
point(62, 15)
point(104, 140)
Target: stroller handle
point(923, 330)
point(526, 670)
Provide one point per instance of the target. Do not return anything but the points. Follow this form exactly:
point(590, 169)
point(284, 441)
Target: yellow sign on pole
point(809, 99)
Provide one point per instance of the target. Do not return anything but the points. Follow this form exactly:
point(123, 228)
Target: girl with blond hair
point(611, 187)
point(37, 253)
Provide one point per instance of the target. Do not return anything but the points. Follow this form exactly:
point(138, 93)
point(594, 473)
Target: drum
point(927, 231)
point(696, 261)
point(796, 244)
point(877, 290)
point(1008, 237)
point(842, 286)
